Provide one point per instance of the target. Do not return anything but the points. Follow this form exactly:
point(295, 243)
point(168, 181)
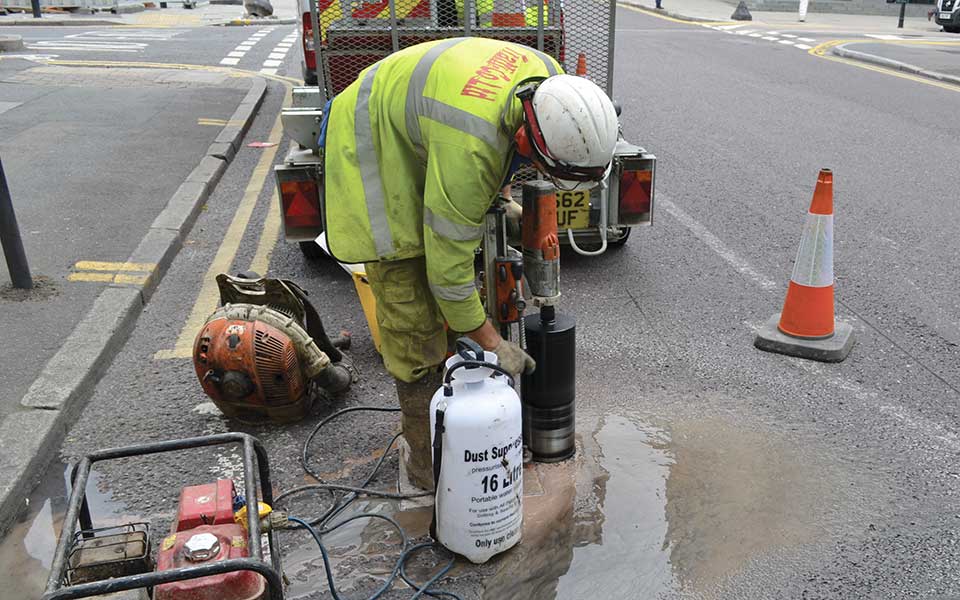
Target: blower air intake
point(247, 362)
point(264, 355)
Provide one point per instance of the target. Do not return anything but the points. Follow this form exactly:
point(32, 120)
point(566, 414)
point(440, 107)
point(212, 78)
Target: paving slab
point(935, 59)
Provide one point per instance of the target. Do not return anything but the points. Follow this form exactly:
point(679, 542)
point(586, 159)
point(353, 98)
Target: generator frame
point(256, 468)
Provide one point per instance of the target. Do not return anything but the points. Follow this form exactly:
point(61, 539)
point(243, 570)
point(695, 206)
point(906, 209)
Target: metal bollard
point(10, 239)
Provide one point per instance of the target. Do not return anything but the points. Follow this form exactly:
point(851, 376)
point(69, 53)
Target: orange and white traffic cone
point(582, 65)
point(806, 327)
point(508, 13)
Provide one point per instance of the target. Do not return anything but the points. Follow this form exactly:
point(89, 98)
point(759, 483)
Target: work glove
point(513, 359)
point(514, 214)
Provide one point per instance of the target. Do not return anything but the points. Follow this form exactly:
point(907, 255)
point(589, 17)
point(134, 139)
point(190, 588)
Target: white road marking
point(129, 34)
point(269, 71)
point(245, 47)
point(756, 35)
point(89, 46)
point(803, 46)
point(237, 54)
point(33, 58)
point(786, 42)
point(229, 61)
point(884, 36)
point(717, 245)
point(745, 31)
point(773, 32)
point(772, 39)
point(277, 55)
point(272, 63)
point(787, 35)
point(803, 39)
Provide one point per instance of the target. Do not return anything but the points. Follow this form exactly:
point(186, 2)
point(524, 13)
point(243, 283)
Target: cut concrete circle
point(10, 43)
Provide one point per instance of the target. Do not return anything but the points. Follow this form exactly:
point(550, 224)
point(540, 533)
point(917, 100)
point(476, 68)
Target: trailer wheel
point(312, 250)
point(309, 75)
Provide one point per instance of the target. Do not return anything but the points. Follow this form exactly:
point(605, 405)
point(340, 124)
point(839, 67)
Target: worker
point(416, 151)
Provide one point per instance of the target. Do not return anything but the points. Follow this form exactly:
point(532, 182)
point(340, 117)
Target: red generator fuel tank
point(204, 544)
point(208, 504)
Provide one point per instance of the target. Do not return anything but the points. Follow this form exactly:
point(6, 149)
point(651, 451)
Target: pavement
point(285, 13)
point(707, 469)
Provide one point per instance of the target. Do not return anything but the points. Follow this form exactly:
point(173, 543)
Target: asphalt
point(712, 470)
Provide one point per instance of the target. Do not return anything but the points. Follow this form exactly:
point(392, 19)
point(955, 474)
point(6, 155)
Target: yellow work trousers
point(413, 340)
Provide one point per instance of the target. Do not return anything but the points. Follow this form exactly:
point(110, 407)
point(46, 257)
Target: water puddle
point(26, 551)
point(673, 511)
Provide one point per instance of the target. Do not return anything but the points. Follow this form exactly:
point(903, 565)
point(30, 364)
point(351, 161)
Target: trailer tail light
point(636, 190)
point(301, 204)
point(300, 192)
point(309, 51)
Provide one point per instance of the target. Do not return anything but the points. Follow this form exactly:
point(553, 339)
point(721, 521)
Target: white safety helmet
point(572, 128)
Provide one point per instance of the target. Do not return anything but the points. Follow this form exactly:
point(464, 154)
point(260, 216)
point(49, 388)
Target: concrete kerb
point(10, 43)
point(48, 22)
point(29, 439)
point(844, 52)
point(667, 13)
point(252, 22)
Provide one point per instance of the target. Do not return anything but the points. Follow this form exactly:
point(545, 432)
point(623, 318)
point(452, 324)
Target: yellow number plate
point(573, 210)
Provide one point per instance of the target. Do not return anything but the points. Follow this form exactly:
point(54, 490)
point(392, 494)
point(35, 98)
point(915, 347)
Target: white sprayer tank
point(479, 501)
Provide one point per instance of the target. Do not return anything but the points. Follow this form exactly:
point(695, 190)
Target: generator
point(214, 548)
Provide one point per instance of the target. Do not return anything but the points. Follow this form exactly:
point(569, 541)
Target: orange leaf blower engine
point(264, 355)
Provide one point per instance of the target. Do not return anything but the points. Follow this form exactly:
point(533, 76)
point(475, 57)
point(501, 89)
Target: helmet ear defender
point(523, 142)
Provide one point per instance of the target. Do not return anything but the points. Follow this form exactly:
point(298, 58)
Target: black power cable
point(340, 504)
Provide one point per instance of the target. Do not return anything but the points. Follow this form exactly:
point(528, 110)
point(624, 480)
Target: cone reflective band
point(808, 308)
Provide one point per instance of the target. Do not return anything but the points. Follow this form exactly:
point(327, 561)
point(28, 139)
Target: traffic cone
point(581, 65)
point(508, 13)
point(806, 327)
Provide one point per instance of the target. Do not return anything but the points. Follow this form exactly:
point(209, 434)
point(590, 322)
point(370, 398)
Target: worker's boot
point(415, 420)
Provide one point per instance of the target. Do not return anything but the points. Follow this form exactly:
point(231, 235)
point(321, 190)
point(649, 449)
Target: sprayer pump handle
point(466, 346)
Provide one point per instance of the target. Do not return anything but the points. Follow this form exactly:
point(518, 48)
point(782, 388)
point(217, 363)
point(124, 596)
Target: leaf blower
point(263, 355)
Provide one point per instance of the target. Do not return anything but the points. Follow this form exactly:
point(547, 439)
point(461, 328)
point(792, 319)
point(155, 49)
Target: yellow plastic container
point(369, 304)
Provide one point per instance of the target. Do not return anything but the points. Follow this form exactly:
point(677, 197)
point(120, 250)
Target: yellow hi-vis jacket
point(416, 151)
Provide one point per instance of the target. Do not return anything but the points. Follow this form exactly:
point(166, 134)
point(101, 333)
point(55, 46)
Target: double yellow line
point(209, 295)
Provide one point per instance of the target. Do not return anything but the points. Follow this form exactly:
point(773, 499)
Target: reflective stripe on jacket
point(416, 151)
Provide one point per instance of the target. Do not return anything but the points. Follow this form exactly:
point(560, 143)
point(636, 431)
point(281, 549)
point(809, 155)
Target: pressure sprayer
point(477, 435)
